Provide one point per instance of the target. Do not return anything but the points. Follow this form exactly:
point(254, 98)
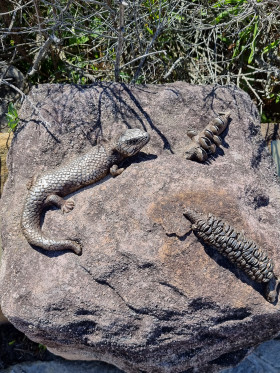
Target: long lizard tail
point(30, 225)
point(39, 239)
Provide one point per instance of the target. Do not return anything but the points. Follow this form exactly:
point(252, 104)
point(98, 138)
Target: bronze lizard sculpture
point(205, 142)
point(51, 187)
point(242, 252)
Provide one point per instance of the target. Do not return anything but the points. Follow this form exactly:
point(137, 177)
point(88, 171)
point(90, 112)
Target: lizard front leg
point(115, 170)
point(65, 205)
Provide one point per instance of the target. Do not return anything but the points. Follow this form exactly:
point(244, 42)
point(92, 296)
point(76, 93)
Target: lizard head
point(132, 141)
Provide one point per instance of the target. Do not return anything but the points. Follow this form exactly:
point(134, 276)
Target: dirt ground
point(15, 348)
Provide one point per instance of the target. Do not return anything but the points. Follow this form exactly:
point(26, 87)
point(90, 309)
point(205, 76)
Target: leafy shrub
point(12, 117)
point(147, 41)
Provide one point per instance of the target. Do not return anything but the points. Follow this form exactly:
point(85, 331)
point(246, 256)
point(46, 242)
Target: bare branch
point(176, 63)
point(120, 40)
point(41, 54)
point(144, 55)
point(25, 97)
point(200, 42)
point(16, 9)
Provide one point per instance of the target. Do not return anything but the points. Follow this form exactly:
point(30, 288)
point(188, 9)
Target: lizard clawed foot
point(67, 206)
point(115, 171)
point(76, 247)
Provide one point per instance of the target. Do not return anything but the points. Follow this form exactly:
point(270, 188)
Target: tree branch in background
point(120, 39)
point(201, 42)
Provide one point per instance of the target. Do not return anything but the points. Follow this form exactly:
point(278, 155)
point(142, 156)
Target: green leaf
point(221, 3)
point(271, 46)
point(78, 40)
point(224, 39)
point(264, 118)
point(12, 117)
point(222, 15)
point(236, 49)
point(234, 10)
point(149, 30)
point(250, 59)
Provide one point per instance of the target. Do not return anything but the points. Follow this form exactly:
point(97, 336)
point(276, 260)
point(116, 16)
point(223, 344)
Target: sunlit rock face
point(146, 295)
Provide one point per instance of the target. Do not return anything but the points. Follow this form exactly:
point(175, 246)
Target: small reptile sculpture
point(205, 142)
point(242, 252)
point(50, 188)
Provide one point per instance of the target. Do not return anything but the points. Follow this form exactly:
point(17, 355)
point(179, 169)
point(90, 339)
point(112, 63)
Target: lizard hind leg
point(65, 205)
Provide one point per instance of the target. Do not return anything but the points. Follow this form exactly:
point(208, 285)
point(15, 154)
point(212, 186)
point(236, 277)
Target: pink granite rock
point(146, 295)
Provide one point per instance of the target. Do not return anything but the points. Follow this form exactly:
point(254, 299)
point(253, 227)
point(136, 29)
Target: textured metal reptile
point(50, 188)
point(244, 253)
point(205, 142)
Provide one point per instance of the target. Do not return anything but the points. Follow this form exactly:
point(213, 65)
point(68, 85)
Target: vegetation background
point(146, 41)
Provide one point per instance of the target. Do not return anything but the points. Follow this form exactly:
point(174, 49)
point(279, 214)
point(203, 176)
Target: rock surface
point(145, 295)
point(275, 148)
point(270, 131)
point(3, 319)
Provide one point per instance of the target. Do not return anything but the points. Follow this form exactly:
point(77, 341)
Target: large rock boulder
point(145, 295)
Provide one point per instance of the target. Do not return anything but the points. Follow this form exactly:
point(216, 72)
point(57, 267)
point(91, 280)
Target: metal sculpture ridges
point(242, 252)
point(204, 143)
point(87, 169)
